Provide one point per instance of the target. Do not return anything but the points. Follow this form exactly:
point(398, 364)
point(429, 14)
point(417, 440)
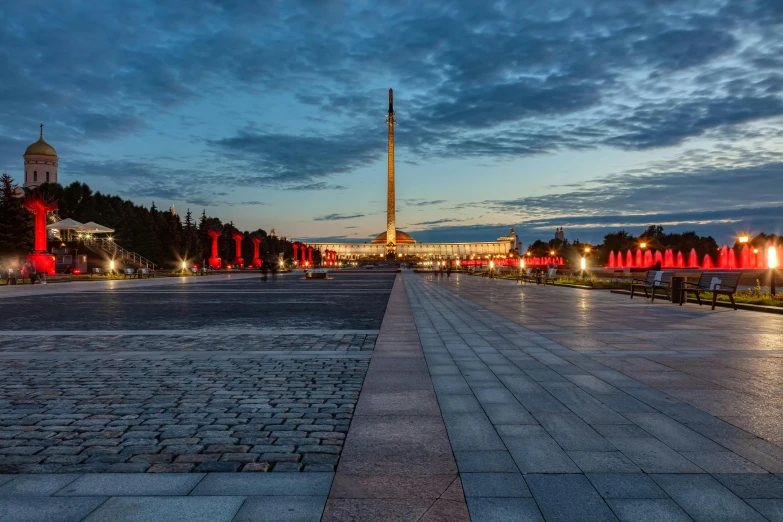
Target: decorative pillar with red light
point(256, 259)
point(304, 252)
point(296, 247)
point(237, 237)
point(214, 261)
point(40, 258)
point(310, 255)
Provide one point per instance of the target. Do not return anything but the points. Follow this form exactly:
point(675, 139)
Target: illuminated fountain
point(726, 258)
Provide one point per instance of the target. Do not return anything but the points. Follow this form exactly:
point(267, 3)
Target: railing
point(117, 252)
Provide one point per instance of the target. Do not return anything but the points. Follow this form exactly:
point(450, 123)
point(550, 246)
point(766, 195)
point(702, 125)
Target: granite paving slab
point(144, 509)
point(397, 462)
point(600, 413)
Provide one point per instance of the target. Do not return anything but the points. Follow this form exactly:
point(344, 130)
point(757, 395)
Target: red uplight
point(76, 271)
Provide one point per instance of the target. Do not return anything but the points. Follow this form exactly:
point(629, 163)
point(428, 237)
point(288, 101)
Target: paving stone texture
point(397, 463)
point(562, 404)
point(163, 402)
point(463, 398)
point(177, 342)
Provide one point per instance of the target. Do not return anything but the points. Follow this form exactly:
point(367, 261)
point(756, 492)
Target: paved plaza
point(383, 396)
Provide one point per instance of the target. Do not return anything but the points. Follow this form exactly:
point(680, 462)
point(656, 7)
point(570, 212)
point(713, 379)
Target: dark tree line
point(654, 237)
point(159, 235)
point(16, 223)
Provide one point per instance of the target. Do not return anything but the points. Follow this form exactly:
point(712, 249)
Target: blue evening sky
point(593, 115)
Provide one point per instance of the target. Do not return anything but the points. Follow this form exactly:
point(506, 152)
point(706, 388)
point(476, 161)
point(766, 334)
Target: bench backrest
point(96, 270)
point(720, 280)
point(144, 271)
point(128, 271)
point(551, 272)
point(659, 277)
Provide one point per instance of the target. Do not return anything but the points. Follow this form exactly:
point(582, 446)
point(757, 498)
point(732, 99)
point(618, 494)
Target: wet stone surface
point(174, 415)
point(180, 343)
point(215, 400)
point(345, 302)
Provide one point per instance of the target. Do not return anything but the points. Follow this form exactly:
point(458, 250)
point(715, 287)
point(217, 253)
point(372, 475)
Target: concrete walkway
point(542, 428)
point(141, 497)
point(397, 463)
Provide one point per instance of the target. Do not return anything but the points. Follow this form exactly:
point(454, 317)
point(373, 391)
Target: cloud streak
point(338, 217)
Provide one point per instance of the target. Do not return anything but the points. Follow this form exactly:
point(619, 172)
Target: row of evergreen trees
point(159, 235)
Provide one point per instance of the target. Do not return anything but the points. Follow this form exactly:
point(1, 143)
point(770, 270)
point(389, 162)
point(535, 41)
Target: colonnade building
point(406, 246)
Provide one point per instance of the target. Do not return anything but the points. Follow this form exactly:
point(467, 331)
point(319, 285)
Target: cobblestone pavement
point(179, 342)
point(265, 396)
point(221, 414)
point(565, 404)
point(350, 301)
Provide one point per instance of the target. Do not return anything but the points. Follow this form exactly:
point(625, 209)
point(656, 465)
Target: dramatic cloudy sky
point(589, 114)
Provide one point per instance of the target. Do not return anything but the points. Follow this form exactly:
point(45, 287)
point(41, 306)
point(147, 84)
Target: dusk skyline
point(593, 116)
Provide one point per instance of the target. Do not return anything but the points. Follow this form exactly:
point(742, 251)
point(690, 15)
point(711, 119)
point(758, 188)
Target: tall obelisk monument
point(391, 209)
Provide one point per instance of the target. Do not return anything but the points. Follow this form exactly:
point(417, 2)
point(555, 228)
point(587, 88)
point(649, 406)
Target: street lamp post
point(772, 261)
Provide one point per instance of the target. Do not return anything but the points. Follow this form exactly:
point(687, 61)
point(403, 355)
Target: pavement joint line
point(194, 332)
point(254, 292)
point(267, 354)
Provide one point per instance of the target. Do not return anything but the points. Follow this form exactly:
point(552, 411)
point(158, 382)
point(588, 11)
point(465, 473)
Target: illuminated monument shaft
point(391, 220)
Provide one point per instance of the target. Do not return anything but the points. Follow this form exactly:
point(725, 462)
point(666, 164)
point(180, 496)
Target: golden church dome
point(41, 148)
point(402, 239)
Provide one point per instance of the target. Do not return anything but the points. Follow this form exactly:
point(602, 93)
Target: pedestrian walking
point(32, 273)
point(264, 270)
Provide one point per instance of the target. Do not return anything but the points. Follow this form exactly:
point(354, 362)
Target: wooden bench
point(95, 271)
point(128, 272)
point(143, 272)
point(550, 276)
point(724, 283)
point(655, 279)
